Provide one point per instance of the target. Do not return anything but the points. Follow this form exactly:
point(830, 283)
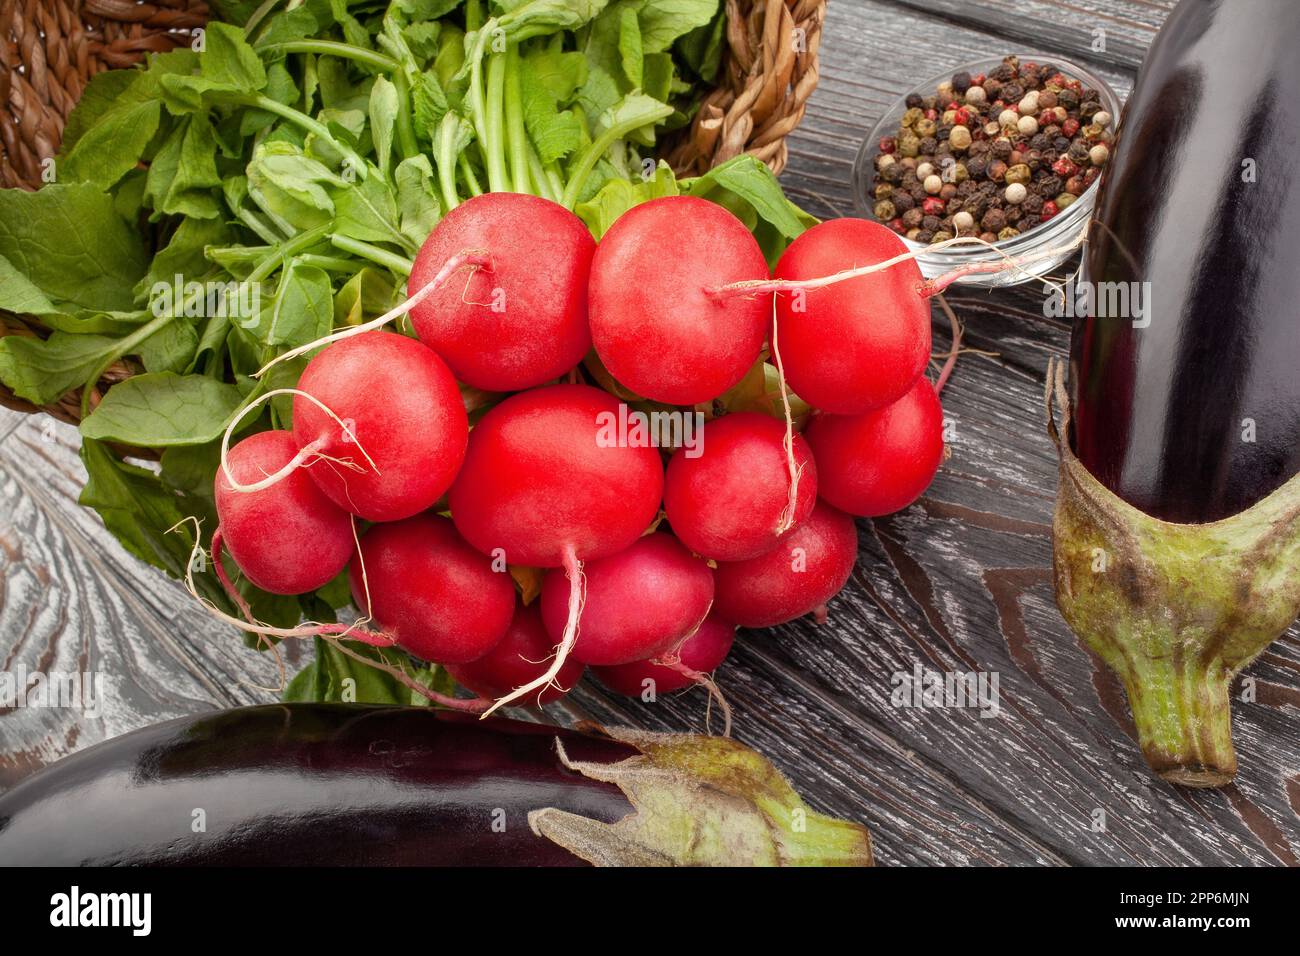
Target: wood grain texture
point(959, 582)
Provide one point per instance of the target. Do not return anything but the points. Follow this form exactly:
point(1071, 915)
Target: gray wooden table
point(958, 582)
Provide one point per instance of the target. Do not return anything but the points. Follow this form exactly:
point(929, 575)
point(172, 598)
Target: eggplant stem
point(1175, 609)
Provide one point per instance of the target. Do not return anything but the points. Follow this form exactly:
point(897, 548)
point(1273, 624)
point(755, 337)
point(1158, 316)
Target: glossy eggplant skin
point(1162, 412)
point(310, 784)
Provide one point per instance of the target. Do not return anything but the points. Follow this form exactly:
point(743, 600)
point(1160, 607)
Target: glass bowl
point(1057, 231)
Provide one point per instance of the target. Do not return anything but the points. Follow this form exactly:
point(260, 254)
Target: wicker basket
point(51, 49)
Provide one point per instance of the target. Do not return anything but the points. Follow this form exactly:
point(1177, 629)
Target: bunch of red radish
point(508, 295)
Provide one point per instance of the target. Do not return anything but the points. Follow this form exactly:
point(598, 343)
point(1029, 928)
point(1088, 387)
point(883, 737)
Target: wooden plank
point(1112, 33)
point(73, 601)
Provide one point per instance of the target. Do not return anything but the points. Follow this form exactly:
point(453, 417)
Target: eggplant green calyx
point(1176, 610)
point(701, 801)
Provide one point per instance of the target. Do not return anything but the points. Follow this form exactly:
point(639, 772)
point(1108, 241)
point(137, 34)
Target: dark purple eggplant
point(346, 784)
point(1177, 527)
point(1201, 201)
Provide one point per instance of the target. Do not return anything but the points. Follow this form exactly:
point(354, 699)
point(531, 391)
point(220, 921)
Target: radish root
point(577, 597)
point(796, 471)
point(306, 455)
point(252, 625)
point(335, 634)
point(673, 661)
point(932, 287)
point(475, 259)
point(951, 361)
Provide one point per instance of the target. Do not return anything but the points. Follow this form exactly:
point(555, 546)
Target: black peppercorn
point(924, 236)
point(912, 218)
point(993, 220)
point(892, 173)
point(1033, 204)
point(1088, 110)
point(1078, 152)
point(1049, 186)
point(1001, 148)
point(953, 207)
point(1068, 98)
point(903, 201)
point(1003, 72)
point(961, 82)
point(977, 166)
point(918, 193)
point(930, 222)
point(1039, 141)
point(965, 188)
point(1012, 92)
point(1013, 214)
point(1061, 144)
point(928, 144)
point(913, 101)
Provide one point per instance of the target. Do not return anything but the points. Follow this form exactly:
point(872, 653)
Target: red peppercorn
point(1046, 118)
point(932, 114)
point(1090, 175)
point(1058, 79)
point(933, 206)
point(1070, 127)
point(1050, 209)
point(897, 225)
point(1063, 167)
point(961, 116)
point(888, 144)
point(978, 79)
point(1029, 66)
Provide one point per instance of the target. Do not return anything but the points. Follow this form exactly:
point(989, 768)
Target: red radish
point(524, 322)
point(803, 572)
point(880, 462)
point(859, 344)
point(653, 322)
point(730, 501)
point(541, 488)
point(438, 597)
point(521, 656)
point(640, 602)
point(701, 653)
point(538, 482)
point(287, 538)
point(404, 426)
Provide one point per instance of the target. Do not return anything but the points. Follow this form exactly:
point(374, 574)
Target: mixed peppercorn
point(991, 155)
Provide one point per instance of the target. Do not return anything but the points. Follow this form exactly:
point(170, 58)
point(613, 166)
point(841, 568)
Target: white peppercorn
point(1015, 193)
